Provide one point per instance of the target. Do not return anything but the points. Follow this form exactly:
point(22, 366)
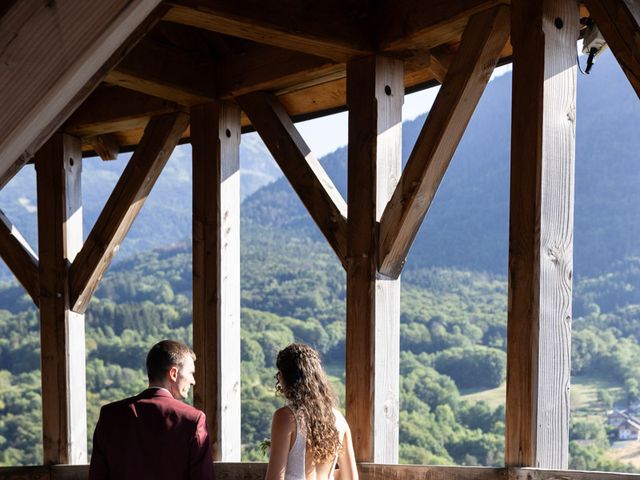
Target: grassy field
point(584, 395)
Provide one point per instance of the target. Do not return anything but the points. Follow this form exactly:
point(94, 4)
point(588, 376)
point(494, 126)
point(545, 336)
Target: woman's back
point(300, 463)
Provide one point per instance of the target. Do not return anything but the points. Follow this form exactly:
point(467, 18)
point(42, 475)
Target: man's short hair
point(164, 355)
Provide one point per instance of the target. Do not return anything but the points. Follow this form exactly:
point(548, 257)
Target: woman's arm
point(283, 430)
point(347, 457)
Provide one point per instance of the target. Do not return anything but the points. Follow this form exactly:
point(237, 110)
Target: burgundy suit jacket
point(151, 436)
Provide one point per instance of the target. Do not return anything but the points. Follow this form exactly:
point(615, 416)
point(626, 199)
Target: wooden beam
point(165, 72)
point(619, 22)
point(368, 471)
point(372, 471)
point(111, 109)
point(19, 257)
point(540, 474)
point(320, 29)
point(215, 139)
point(106, 146)
point(543, 35)
point(53, 55)
point(375, 93)
point(126, 200)
point(304, 172)
point(483, 39)
point(273, 69)
point(62, 340)
point(409, 25)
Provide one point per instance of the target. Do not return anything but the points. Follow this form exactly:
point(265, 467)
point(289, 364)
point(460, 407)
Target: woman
point(309, 436)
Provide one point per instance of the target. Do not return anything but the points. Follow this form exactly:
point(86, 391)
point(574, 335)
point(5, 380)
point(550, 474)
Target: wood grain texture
point(18, 255)
point(53, 55)
point(368, 471)
point(304, 172)
point(420, 472)
point(468, 75)
point(215, 139)
point(619, 22)
point(321, 29)
point(539, 474)
point(110, 109)
point(62, 339)
point(541, 233)
point(273, 69)
point(166, 72)
point(409, 25)
point(126, 200)
point(375, 95)
point(105, 145)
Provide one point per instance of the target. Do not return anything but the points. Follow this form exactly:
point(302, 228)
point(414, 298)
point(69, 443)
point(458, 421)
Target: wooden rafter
point(273, 69)
point(619, 22)
point(409, 25)
point(110, 109)
point(307, 177)
point(465, 81)
point(317, 28)
point(165, 72)
point(144, 167)
point(70, 45)
point(19, 257)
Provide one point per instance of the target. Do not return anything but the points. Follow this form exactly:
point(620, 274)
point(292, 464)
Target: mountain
point(166, 216)
point(467, 225)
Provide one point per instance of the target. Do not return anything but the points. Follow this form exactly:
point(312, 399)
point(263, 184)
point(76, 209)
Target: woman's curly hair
point(306, 387)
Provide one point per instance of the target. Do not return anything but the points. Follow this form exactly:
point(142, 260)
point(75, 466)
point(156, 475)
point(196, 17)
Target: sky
point(326, 134)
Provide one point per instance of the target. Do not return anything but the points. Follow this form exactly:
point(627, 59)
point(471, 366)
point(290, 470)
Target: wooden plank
point(106, 146)
point(110, 109)
point(375, 93)
point(53, 55)
point(538, 474)
point(166, 72)
point(19, 257)
point(372, 471)
point(619, 22)
point(271, 69)
point(62, 340)
point(25, 473)
point(541, 232)
point(409, 25)
point(321, 29)
point(304, 172)
point(126, 200)
point(215, 139)
point(468, 75)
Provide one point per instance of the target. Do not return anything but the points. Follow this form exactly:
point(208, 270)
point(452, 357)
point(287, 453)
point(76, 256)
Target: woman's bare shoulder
point(284, 417)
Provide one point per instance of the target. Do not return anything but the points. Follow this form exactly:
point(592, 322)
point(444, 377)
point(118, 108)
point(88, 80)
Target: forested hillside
point(454, 297)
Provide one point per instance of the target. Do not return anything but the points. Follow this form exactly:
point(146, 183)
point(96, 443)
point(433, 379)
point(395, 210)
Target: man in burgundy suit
point(155, 435)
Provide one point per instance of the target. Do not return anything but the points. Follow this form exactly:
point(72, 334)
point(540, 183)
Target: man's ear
point(173, 373)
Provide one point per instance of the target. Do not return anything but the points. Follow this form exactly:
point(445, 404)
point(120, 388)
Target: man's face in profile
point(184, 379)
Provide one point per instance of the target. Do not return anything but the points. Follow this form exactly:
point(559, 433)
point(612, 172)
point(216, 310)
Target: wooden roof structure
point(103, 76)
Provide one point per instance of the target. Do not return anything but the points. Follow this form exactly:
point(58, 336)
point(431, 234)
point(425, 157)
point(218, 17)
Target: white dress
point(296, 458)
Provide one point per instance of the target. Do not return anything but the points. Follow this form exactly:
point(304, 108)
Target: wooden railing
point(368, 471)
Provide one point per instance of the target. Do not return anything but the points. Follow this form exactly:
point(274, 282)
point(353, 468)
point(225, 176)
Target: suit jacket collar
point(155, 392)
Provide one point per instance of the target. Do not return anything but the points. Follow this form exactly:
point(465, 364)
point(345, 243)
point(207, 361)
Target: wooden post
point(544, 38)
point(375, 93)
point(215, 137)
point(62, 340)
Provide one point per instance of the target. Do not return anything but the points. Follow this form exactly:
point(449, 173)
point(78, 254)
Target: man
point(155, 435)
